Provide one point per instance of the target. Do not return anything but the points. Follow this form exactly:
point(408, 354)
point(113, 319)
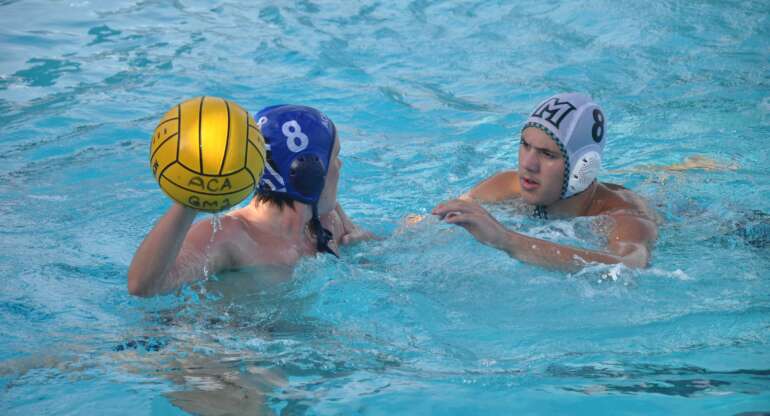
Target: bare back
point(251, 243)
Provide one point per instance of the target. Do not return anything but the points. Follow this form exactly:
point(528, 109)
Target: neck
point(286, 221)
point(575, 206)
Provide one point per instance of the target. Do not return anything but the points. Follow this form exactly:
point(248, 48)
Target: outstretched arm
point(695, 162)
point(175, 252)
point(628, 240)
point(498, 187)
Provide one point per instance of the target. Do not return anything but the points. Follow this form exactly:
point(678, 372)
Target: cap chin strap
point(322, 235)
point(541, 211)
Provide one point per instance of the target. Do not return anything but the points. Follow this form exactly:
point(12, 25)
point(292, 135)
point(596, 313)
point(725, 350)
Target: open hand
point(356, 235)
point(474, 218)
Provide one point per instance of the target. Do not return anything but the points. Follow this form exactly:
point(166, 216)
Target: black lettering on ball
point(196, 181)
point(215, 205)
point(211, 185)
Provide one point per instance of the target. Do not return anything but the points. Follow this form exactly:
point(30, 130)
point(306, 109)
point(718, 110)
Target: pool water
point(428, 97)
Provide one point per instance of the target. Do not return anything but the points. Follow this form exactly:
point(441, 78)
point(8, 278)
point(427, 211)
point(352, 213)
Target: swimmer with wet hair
point(560, 155)
point(294, 213)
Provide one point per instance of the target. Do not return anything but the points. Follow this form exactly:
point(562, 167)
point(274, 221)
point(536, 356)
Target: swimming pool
point(428, 97)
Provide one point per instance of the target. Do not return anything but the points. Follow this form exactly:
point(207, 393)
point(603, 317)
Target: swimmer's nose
point(529, 161)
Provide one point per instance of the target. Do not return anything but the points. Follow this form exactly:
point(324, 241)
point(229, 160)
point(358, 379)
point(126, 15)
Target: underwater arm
point(476, 220)
point(695, 162)
point(174, 252)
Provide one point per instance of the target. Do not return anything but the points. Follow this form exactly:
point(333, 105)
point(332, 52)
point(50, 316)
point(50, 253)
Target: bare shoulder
point(216, 236)
point(244, 242)
point(634, 223)
point(616, 200)
point(498, 187)
point(220, 228)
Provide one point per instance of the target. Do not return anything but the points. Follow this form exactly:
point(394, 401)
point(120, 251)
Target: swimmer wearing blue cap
point(560, 155)
point(293, 214)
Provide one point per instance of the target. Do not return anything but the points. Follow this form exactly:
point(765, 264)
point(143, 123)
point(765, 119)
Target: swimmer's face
point(541, 168)
point(328, 200)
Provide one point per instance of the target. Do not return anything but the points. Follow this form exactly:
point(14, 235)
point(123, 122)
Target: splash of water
point(216, 225)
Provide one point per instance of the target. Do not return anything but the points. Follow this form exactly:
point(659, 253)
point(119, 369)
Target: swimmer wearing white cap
point(559, 158)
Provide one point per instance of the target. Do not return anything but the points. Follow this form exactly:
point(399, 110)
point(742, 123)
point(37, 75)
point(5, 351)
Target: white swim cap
point(576, 124)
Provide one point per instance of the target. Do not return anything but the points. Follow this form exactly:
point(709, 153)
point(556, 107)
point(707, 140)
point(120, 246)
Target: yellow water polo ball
point(207, 153)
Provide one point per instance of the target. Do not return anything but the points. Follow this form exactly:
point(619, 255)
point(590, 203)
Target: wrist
point(184, 211)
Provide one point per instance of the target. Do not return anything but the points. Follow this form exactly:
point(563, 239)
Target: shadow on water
point(658, 379)
point(45, 72)
point(206, 359)
point(218, 356)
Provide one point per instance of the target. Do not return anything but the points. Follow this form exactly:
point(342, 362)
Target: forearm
point(351, 233)
point(551, 255)
point(148, 273)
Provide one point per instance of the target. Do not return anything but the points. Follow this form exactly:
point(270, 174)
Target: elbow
point(633, 264)
point(636, 261)
point(635, 256)
point(136, 287)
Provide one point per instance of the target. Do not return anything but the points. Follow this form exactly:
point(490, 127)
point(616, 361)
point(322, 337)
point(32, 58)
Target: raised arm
point(628, 241)
point(175, 252)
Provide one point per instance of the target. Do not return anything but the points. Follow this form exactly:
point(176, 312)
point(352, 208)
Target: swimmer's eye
point(524, 144)
point(550, 155)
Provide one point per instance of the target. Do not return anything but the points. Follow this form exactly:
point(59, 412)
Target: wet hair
point(277, 199)
point(323, 236)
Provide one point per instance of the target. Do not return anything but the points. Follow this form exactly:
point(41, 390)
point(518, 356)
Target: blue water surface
point(429, 97)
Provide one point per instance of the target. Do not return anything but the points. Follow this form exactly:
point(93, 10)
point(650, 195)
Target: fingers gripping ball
point(207, 153)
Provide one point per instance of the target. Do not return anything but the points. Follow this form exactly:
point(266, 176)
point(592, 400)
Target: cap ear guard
point(583, 173)
point(307, 175)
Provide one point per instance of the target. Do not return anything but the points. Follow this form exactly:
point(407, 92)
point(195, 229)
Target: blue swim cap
point(299, 142)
